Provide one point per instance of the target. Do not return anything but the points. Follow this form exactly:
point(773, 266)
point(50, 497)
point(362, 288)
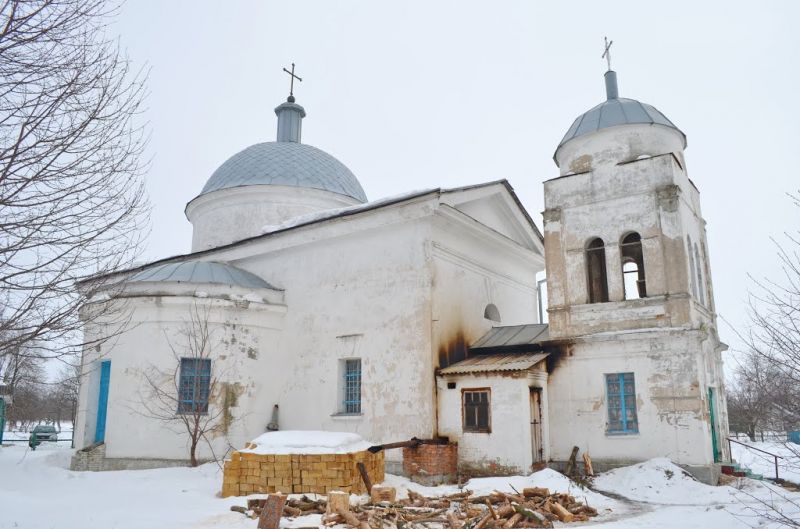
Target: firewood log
point(563, 514)
point(535, 491)
point(352, 520)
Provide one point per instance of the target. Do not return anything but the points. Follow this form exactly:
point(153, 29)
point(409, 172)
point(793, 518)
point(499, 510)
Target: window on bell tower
point(596, 271)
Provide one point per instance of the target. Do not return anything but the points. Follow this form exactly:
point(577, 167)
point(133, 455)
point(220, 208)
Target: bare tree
point(753, 395)
point(72, 200)
point(23, 374)
point(64, 394)
point(774, 335)
point(188, 394)
point(773, 342)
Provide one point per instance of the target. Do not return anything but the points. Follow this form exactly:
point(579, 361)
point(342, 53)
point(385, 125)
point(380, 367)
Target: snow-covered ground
point(37, 491)
point(788, 466)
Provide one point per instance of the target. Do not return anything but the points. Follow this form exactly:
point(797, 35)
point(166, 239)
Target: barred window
point(476, 404)
point(621, 392)
point(194, 385)
point(352, 386)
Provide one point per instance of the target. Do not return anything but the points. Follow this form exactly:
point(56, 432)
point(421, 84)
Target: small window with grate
point(351, 386)
point(621, 393)
point(194, 385)
point(476, 406)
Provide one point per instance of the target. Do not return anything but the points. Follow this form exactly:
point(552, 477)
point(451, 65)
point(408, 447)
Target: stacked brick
point(247, 473)
point(431, 464)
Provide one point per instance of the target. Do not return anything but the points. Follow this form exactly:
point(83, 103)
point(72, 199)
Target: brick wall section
point(89, 458)
point(246, 473)
point(431, 464)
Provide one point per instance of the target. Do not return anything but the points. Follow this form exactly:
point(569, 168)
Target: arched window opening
point(596, 271)
point(491, 313)
point(700, 283)
point(633, 277)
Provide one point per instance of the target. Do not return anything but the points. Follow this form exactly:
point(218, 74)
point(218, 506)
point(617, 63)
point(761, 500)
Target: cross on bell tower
point(606, 53)
point(292, 76)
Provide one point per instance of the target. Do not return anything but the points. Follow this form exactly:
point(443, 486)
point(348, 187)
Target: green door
point(714, 433)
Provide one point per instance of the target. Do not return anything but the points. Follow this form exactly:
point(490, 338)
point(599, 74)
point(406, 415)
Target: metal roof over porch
point(512, 336)
point(494, 362)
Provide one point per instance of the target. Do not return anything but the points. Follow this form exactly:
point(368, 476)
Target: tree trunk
point(193, 453)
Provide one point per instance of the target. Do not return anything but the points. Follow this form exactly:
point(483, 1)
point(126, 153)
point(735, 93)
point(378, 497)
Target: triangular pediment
point(496, 206)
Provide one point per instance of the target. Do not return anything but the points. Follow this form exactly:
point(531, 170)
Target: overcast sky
point(421, 94)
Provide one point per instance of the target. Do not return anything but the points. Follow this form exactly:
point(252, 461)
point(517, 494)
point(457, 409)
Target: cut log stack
point(533, 507)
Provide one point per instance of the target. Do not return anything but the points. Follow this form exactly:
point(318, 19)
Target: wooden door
point(102, 402)
point(537, 447)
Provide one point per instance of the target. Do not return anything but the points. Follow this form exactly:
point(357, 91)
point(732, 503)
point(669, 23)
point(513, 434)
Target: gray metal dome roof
point(286, 163)
point(200, 272)
point(616, 111)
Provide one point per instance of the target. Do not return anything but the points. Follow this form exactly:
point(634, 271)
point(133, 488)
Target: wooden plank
point(364, 476)
point(571, 463)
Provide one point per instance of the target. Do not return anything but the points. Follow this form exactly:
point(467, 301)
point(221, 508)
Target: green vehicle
point(42, 432)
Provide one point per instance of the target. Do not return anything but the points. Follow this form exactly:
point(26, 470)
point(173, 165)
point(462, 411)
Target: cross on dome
point(292, 76)
point(606, 54)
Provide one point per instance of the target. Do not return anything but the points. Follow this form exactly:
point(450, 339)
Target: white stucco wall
point(672, 380)
point(507, 449)
point(155, 338)
point(368, 286)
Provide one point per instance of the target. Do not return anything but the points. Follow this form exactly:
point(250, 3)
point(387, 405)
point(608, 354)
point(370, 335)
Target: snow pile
point(306, 442)
point(661, 481)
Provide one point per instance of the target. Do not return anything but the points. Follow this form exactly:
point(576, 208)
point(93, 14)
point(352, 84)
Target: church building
point(305, 306)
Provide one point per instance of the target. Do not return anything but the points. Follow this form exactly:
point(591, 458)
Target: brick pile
point(248, 473)
point(431, 464)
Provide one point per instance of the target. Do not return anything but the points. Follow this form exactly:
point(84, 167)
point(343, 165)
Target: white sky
point(418, 94)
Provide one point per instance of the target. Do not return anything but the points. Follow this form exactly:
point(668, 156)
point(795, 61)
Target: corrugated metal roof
point(513, 335)
point(200, 272)
point(494, 362)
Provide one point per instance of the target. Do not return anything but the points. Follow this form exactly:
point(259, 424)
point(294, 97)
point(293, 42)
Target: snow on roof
point(307, 442)
point(311, 218)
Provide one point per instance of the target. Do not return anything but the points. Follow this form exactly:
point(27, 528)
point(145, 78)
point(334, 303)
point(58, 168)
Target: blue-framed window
point(621, 392)
point(352, 386)
point(194, 385)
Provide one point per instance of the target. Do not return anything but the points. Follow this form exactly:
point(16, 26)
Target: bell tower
point(624, 236)
point(631, 307)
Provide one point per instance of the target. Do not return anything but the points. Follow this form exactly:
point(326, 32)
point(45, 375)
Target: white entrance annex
point(417, 315)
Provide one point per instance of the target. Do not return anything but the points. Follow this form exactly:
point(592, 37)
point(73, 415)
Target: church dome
point(268, 184)
point(286, 163)
point(617, 130)
point(614, 112)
